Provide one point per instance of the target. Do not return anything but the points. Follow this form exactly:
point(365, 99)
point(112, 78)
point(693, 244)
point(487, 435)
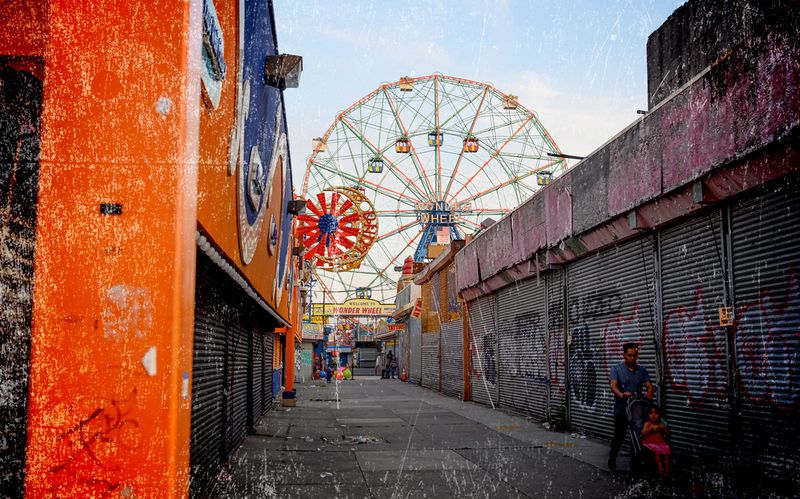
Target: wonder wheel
point(436, 156)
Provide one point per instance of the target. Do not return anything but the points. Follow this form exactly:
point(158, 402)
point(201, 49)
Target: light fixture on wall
point(283, 71)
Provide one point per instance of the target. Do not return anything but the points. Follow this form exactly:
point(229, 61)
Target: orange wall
point(217, 201)
point(119, 125)
point(23, 27)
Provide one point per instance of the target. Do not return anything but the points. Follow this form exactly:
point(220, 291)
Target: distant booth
point(407, 330)
point(442, 332)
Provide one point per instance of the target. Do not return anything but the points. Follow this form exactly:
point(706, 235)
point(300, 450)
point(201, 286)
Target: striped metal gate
point(766, 274)
point(556, 347)
point(483, 339)
point(610, 301)
point(238, 350)
point(208, 378)
point(452, 348)
point(403, 348)
point(269, 347)
point(430, 360)
point(415, 349)
point(20, 111)
point(257, 376)
point(522, 347)
point(695, 346)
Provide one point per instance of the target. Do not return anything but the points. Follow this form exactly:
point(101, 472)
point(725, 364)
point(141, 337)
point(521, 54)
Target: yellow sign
point(358, 306)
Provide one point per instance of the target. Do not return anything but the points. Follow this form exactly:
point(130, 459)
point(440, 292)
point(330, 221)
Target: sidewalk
point(376, 438)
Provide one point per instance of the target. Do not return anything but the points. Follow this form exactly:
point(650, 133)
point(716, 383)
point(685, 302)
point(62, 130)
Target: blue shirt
point(628, 381)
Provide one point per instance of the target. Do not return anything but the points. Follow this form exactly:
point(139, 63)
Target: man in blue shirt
point(626, 380)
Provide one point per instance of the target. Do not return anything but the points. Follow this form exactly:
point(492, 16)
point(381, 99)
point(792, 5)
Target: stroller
point(637, 412)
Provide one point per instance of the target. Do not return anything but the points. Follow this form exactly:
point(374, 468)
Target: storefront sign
point(356, 307)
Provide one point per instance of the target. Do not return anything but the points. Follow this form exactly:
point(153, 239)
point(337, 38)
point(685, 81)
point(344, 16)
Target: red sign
point(397, 327)
point(417, 312)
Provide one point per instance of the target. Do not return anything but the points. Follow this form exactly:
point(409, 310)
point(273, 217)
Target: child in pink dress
point(653, 433)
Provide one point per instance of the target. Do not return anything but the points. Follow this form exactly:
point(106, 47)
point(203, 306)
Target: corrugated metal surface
point(522, 347)
point(452, 348)
point(483, 336)
point(237, 378)
point(208, 380)
point(610, 301)
point(403, 349)
point(556, 346)
point(766, 273)
point(269, 345)
point(257, 363)
point(415, 349)
point(695, 346)
point(20, 110)
point(430, 360)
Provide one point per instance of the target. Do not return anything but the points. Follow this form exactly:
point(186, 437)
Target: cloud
point(578, 123)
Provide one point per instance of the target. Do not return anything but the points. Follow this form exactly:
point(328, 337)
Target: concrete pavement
point(373, 438)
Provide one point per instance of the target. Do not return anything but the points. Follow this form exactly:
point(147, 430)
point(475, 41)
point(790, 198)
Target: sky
point(579, 64)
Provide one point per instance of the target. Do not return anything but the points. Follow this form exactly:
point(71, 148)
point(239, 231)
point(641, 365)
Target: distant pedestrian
point(379, 366)
point(654, 435)
point(626, 380)
point(391, 365)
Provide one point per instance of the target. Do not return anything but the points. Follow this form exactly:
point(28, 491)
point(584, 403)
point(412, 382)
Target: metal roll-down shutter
point(452, 347)
point(556, 347)
point(610, 301)
point(483, 339)
point(257, 363)
point(695, 346)
point(522, 347)
point(208, 381)
point(766, 272)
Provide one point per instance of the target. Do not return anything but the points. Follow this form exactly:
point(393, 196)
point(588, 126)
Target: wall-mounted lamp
point(283, 71)
point(296, 207)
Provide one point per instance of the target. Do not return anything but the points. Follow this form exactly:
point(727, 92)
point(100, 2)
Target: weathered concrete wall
point(701, 32)
point(714, 130)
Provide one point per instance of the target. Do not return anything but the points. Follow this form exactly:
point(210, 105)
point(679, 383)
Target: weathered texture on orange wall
point(23, 27)
point(109, 405)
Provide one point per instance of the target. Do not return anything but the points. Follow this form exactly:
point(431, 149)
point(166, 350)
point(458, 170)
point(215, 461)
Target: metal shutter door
point(430, 360)
point(415, 354)
point(402, 351)
point(257, 363)
point(208, 379)
point(269, 346)
point(483, 339)
point(522, 347)
point(237, 372)
point(695, 346)
point(556, 346)
point(610, 301)
point(766, 273)
point(452, 347)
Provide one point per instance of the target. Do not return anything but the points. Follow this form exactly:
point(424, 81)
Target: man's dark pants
point(620, 428)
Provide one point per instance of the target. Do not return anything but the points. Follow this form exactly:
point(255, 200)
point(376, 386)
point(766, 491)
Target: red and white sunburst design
point(340, 230)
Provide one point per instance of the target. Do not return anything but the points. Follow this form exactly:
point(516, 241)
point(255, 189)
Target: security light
point(283, 71)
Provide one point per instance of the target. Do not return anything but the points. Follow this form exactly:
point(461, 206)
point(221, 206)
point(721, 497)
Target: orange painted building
point(146, 174)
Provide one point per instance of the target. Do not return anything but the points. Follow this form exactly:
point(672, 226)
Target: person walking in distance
point(391, 365)
point(626, 380)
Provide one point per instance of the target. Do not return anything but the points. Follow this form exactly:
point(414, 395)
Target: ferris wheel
point(410, 167)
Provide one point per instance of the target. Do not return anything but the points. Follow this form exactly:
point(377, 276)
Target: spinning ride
point(435, 156)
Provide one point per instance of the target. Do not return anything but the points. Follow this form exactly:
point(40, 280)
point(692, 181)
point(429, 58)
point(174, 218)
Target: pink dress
point(656, 443)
